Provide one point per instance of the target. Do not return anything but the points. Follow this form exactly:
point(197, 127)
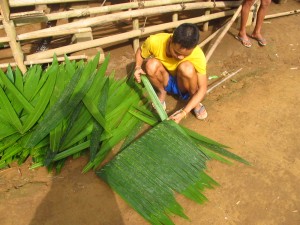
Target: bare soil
point(256, 113)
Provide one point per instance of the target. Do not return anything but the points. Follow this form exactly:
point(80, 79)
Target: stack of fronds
point(63, 111)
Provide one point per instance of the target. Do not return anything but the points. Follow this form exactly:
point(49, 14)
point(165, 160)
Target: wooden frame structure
point(96, 17)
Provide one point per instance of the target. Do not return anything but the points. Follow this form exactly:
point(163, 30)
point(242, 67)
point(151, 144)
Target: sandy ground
point(256, 113)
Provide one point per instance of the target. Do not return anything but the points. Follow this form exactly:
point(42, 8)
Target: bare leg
point(187, 79)
point(244, 18)
point(158, 77)
point(260, 18)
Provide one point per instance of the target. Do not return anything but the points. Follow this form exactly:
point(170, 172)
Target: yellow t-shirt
point(155, 46)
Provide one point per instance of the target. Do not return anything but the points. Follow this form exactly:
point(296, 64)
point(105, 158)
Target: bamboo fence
point(101, 15)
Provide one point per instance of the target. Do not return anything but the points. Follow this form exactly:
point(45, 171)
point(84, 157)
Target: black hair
point(187, 35)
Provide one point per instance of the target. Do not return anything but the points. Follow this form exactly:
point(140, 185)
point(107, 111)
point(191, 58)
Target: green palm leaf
point(56, 114)
point(158, 106)
point(9, 111)
point(149, 171)
point(15, 92)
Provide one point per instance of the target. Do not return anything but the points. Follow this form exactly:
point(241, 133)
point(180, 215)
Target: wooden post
point(11, 34)
point(205, 25)
point(175, 17)
point(135, 26)
point(136, 41)
point(83, 36)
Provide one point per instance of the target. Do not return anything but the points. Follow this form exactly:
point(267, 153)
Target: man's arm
point(199, 95)
point(194, 101)
point(138, 65)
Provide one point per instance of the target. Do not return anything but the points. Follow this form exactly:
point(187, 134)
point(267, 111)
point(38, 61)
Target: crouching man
point(175, 64)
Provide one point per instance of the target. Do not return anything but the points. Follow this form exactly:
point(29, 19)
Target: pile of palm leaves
point(73, 108)
point(63, 111)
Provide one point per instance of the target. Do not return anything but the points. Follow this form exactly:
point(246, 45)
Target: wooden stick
point(210, 37)
point(282, 14)
point(125, 36)
point(224, 31)
point(95, 21)
point(42, 61)
point(223, 80)
point(19, 3)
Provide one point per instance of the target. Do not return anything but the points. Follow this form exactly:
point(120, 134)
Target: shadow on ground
point(73, 199)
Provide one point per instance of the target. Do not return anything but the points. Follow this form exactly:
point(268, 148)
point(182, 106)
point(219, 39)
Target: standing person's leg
point(158, 77)
point(242, 35)
point(260, 18)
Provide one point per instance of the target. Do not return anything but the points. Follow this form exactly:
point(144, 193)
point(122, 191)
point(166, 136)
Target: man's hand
point(178, 115)
point(137, 74)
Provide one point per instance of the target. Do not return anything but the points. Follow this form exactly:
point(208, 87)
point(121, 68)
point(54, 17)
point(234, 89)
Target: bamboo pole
point(90, 22)
point(28, 14)
point(282, 14)
point(110, 9)
point(125, 36)
point(223, 80)
point(210, 37)
point(4, 39)
point(42, 61)
point(29, 17)
point(58, 33)
point(20, 3)
point(11, 35)
point(224, 31)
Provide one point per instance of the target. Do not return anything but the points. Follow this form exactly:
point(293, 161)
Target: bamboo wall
point(92, 24)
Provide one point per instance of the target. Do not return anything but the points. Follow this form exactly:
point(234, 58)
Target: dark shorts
point(172, 88)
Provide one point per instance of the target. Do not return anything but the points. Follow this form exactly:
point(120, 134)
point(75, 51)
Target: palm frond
point(148, 172)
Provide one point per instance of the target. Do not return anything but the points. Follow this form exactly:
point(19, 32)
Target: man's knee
point(152, 65)
point(186, 69)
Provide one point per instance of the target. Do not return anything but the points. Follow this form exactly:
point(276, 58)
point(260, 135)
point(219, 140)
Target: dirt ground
point(256, 113)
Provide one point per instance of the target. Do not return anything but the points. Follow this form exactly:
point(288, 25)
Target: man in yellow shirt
point(175, 64)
